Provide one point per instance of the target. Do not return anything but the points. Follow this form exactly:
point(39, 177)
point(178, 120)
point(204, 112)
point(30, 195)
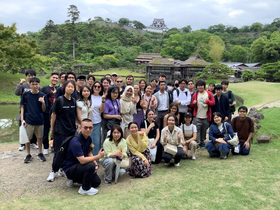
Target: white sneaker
point(21, 148)
point(61, 173)
point(91, 191)
point(51, 177)
point(69, 183)
point(34, 146)
point(193, 158)
point(45, 151)
point(177, 164)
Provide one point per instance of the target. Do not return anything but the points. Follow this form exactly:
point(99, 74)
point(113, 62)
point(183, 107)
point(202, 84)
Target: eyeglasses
point(119, 81)
point(97, 86)
point(70, 77)
point(88, 127)
point(190, 84)
point(183, 83)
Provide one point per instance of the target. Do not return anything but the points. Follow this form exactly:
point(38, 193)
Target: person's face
point(86, 128)
point(200, 88)
point(114, 95)
point(62, 78)
point(35, 86)
point(129, 80)
point(211, 88)
point(142, 85)
point(154, 83)
point(173, 110)
point(29, 76)
point(71, 77)
point(90, 81)
point(161, 78)
point(97, 88)
point(188, 119)
point(69, 88)
point(108, 76)
point(113, 77)
point(116, 135)
point(171, 121)
point(136, 89)
point(119, 82)
point(162, 86)
point(128, 93)
point(105, 84)
point(218, 92)
point(224, 86)
point(85, 93)
point(217, 119)
point(54, 79)
point(148, 90)
point(151, 115)
point(242, 113)
point(81, 82)
point(190, 85)
point(182, 85)
point(133, 129)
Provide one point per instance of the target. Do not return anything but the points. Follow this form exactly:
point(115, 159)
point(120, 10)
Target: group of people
point(112, 122)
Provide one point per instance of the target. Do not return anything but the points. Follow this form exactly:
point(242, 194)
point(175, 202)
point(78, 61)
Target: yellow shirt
point(137, 148)
point(110, 147)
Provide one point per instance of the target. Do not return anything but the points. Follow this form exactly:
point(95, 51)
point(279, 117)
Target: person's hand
point(22, 80)
point(54, 91)
point(41, 99)
point(185, 150)
point(178, 136)
point(96, 165)
point(134, 101)
point(103, 97)
point(221, 140)
point(204, 101)
point(24, 124)
point(194, 101)
point(184, 143)
point(146, 163)
point(153, 145)
point(246, 145)
point(165, 135)
point(152, 125)
point(101, 153)
point(141, 133)
point(119, 117)
point(226, 118)
point(119, 154)
point(153, 100)
point(142, 102)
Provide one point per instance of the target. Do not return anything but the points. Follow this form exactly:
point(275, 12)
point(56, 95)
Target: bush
point(260, 79)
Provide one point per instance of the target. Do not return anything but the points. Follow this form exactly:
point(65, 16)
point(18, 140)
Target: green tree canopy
point(216, 70)
point(247, 74)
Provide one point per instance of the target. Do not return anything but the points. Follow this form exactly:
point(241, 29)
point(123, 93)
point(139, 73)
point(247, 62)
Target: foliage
point(238, 54)
point(272, 71)
point(216, 70)
point(247, 74)
point(124, 22)
point(138, 24)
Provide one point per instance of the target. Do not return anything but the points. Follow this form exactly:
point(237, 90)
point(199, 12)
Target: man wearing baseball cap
point(114, 76)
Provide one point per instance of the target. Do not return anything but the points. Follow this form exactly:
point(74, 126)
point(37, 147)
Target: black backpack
point(60, 157)
point(232, 108)
point(171, 94)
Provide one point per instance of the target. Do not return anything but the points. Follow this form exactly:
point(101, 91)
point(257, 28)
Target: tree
point(138, 24)
point(247, 74)
point(108, 20)
point(257, 49)
point(48, 29)
point(52, 44)
point(216, 48)
point(98, 18)
point(147, 47)
point(256, 27)
point(124, 22)
point(186, 29)
point(272, 48)
point(276, 22)
point(238, 54)
point(271, 70)
point(74, 14)
point(216, 70)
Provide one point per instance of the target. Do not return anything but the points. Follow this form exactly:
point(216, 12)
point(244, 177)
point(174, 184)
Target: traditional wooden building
point(192, 65)
point(146, 58)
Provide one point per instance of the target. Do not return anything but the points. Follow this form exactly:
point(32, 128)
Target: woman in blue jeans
point(219, 134)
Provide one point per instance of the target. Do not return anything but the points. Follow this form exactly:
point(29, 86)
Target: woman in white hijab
point(128, 108)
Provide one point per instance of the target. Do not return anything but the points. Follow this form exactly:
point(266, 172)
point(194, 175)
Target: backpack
point(232, 108)
point(60, 101)
point(60, 157)
point(171, 94)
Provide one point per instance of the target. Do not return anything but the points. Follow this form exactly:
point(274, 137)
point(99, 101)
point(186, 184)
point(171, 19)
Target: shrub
point(260, 79)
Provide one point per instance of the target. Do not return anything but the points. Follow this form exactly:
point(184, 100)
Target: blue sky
point(31, 15)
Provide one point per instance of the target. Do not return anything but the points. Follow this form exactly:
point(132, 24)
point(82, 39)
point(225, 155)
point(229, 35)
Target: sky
point(32, 15)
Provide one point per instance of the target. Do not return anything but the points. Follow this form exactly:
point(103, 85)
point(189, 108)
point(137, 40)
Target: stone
point(252, 110)
point(271, 134)
point(5, 157)
point(255, 120)
point(255, 133)
point(257, 126)
point(257, 115)
point(263, 139)
point(264, 107)
point(10, 153)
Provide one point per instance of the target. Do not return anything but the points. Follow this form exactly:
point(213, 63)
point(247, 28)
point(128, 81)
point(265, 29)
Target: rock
point(263, 139)
point(252, 110)
point(257, 115)
point(271, 134)
point(256, 120)
point(257, 126)
point(5, 157)
point(255, 133)
point(264, 107)
point(10, 153)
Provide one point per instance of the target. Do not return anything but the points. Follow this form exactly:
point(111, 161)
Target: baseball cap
point(81, 76)
point(114, 73)
point(188, 114)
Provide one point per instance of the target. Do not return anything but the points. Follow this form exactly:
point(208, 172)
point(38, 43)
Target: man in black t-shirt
point(50, 91)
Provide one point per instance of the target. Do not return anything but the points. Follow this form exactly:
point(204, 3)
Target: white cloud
point(235, 13)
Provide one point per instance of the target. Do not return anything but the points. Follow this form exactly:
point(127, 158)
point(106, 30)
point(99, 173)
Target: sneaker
point(107, 182)
point(177, 164)
point(41, 157)
point(61, 173)
point(28, 159)
point(45, 151)
point(69, 183)
point(34, 146)
point(91, 191)
point(193, 158)
point(51, 177)
point(21, 148)
point(167, 164)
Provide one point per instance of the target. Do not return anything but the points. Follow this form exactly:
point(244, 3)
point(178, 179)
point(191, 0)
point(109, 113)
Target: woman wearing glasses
point(97, 100)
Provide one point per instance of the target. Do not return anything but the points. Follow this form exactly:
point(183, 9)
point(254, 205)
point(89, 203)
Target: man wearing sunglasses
point(81, 165)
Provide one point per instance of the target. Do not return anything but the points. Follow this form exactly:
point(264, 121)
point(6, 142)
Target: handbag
point(125, 163)
point(170, 149)
point(233, 141)
point(113, 121)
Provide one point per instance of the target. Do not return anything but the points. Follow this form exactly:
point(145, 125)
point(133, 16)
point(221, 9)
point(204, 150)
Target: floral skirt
point(138, 118)
point(138, 168)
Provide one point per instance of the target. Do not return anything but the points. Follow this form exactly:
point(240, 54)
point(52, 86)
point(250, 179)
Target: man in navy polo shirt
point(81, 165)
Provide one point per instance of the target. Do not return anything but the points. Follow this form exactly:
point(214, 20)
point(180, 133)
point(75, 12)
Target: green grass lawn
point(256, 93)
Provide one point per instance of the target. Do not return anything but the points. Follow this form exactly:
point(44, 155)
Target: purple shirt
point(110, 109)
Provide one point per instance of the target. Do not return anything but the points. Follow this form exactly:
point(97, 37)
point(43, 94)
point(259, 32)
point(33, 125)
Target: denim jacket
point(214, 132)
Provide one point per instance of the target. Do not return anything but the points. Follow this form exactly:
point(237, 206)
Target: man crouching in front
point(81, 165)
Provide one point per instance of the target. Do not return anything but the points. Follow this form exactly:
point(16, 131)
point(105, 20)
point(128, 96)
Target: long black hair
point(113, 89)
point(81, 97)
point(101, 90)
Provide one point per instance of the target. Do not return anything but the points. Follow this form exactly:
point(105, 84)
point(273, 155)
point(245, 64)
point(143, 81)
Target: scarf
point(126, 103)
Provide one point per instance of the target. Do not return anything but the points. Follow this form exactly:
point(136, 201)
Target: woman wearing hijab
point(128, 108)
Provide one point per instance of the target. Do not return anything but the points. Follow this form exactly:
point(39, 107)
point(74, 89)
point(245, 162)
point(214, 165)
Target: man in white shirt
point(182, 97)
point(162, 103)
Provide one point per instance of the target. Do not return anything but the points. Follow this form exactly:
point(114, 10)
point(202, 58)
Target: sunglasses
point(88, 127)
point(119, 81)
point(97, 86)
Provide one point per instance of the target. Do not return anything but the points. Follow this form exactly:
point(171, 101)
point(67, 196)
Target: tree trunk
point(73, 48)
